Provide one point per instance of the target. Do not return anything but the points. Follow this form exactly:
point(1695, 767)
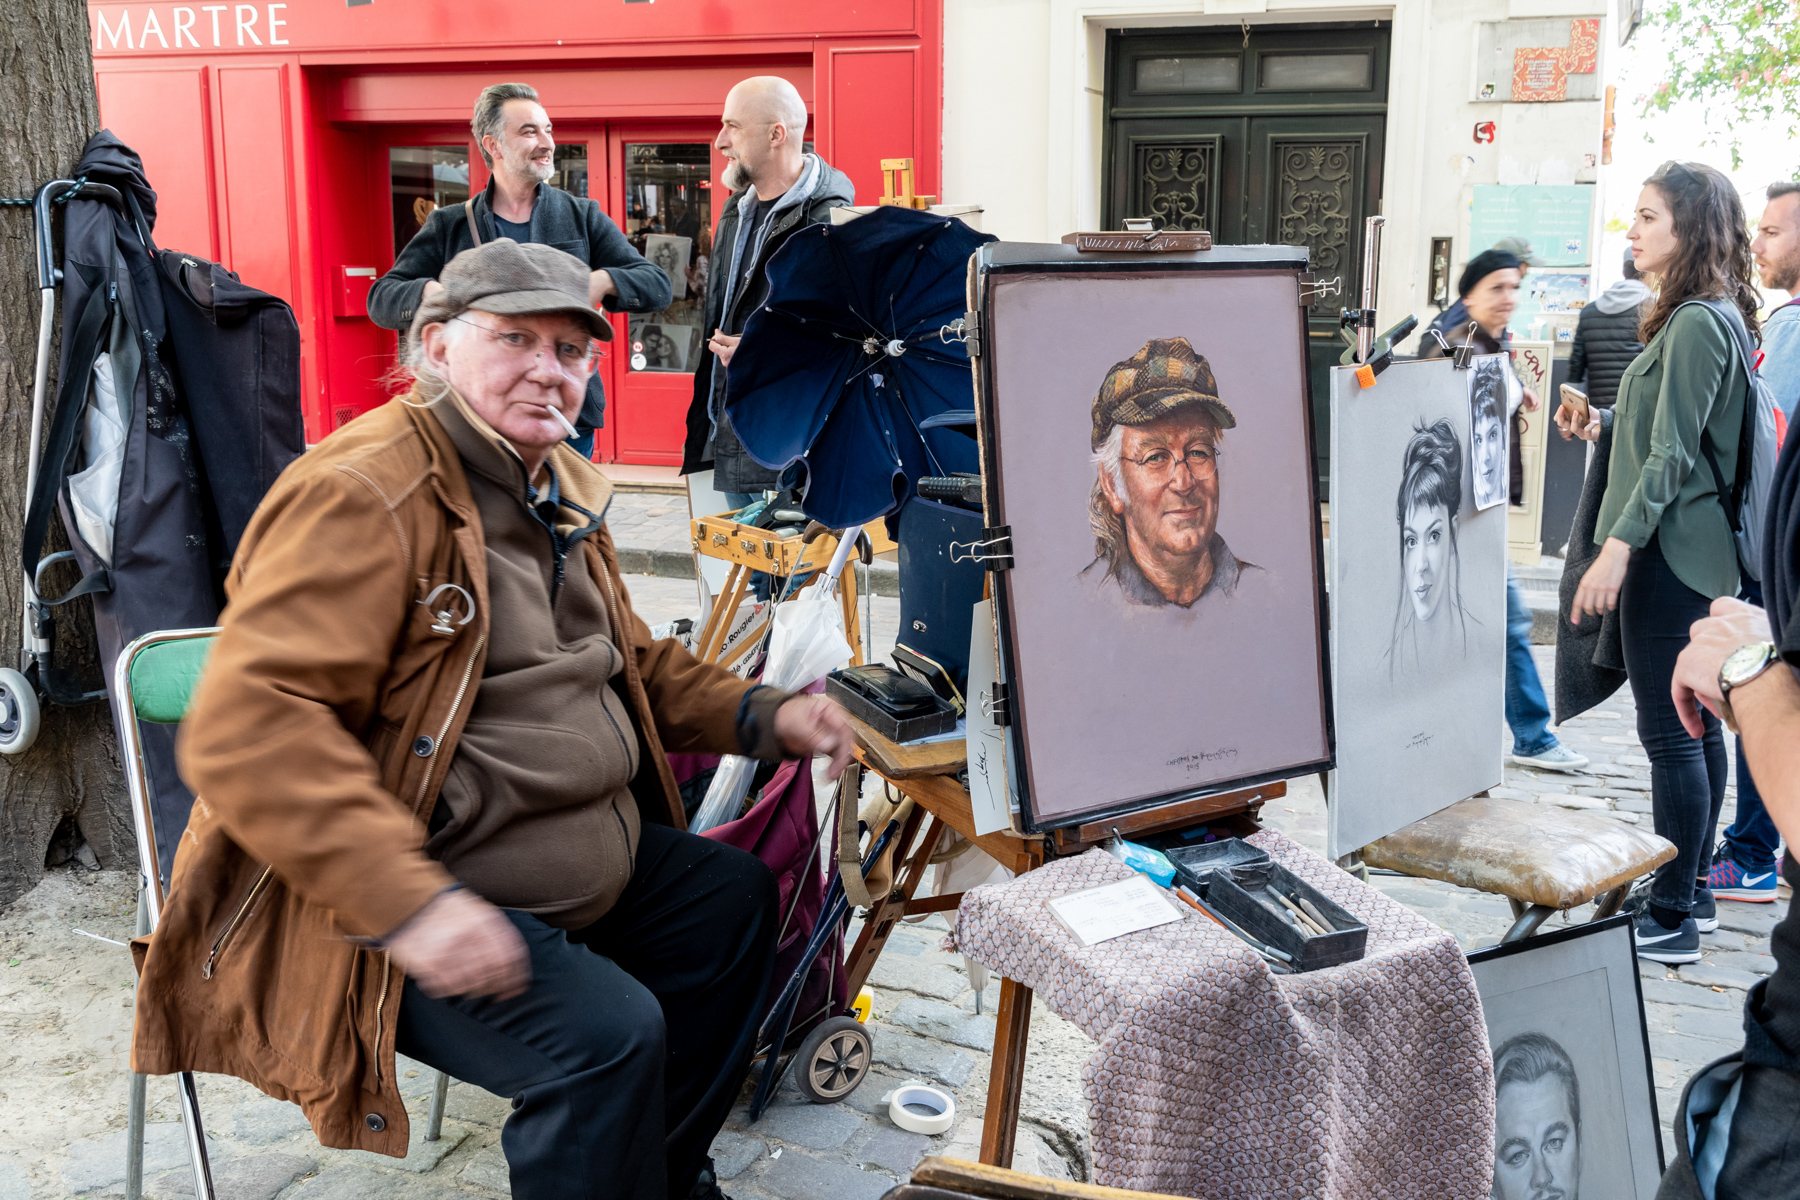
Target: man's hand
point(1529, 401)
point(809, 725)
point(600, 286)
point(432, 288)
point(724, 345)
point(1599, 589)
point(460, 945)
point(1711, 640)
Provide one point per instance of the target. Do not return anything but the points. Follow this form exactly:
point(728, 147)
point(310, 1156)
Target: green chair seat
point(163, 678)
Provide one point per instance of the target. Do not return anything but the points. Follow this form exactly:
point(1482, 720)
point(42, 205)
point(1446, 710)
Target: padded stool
point(1543, 859)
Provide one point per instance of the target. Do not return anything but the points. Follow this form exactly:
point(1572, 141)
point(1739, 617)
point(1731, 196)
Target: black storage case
point(1195, 863)
point(941, 719)
point(1240, 893)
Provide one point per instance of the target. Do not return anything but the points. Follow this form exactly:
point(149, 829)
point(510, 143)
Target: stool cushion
point(1535, 853)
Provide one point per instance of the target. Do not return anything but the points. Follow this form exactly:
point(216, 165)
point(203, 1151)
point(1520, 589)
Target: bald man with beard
point(777, 187)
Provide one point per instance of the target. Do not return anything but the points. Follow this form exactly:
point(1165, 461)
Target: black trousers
point(1687, 775)
point(625, 1054)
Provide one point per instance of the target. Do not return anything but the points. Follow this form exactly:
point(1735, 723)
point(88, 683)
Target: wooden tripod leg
point(852, 625)
point(1006, 1078)
point(725, 612)
point(887, 910)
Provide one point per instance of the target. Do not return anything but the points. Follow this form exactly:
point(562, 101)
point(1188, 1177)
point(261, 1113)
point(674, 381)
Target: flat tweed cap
point(513, 279)
point(1164, 376)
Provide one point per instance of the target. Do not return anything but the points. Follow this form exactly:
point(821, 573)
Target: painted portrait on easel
point(1162, 624)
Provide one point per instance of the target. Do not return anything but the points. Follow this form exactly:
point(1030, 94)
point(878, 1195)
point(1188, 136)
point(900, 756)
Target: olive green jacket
point(1687, 380)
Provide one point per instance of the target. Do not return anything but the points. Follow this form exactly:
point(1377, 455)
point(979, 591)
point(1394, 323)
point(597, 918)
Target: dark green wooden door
point(1272, 138)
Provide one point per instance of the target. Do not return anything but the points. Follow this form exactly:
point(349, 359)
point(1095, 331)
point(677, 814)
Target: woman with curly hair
point(1430, 625)
point(1666, 544)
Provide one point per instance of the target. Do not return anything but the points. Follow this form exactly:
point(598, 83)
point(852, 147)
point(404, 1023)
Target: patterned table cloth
point(1214, 1077)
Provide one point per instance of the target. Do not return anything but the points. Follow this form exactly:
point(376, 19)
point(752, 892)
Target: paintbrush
point(1226, 923)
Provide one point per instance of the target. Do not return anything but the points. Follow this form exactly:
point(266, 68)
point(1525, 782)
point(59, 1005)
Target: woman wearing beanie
point(1489, 291)
point(1666, 545)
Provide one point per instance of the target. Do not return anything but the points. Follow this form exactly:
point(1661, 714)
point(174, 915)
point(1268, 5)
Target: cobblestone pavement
point(65, 1012)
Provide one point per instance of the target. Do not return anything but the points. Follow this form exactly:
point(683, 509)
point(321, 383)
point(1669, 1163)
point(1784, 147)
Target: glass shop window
point(1337, 72)
point(1190, 73)
point(669, 218)
point(571, 164)
point(423, 179)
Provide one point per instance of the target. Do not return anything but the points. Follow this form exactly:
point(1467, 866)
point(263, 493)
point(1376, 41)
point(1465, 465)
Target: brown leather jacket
point(316, 744)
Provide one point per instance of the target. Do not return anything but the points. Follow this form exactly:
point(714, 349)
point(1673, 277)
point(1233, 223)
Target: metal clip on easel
point(1371, 355)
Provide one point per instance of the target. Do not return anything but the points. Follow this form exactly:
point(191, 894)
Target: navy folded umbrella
point(847, 359)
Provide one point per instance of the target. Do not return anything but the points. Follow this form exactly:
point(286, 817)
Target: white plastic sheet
point(94, 490)
point(806, 643)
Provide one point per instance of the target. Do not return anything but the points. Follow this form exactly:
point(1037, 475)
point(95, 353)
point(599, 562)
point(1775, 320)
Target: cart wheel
point(18, 712)
point(833, 1059)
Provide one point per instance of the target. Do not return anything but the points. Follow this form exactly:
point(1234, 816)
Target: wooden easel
point(928, 775)
point(750, 549)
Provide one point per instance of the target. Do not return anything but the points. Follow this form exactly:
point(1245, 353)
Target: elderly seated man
point(435, 813)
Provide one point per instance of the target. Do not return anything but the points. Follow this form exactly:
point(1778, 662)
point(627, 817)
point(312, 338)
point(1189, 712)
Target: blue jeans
point(1752, 839)
point(1526, 709)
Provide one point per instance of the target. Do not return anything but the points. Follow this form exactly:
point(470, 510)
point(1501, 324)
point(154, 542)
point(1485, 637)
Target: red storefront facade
point(300, 144)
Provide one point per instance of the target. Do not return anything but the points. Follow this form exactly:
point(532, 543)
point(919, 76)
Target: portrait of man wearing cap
point(1157, 427)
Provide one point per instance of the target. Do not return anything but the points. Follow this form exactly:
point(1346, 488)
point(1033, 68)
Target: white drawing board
point(1418, 605)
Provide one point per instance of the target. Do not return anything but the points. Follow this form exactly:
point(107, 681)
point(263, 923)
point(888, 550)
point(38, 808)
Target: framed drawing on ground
point(1575, 1099)
point(1418, 602)
point(1147, 456)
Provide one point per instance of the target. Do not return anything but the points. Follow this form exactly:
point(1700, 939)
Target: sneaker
point(1678, 945)
point(1705, 913)
point(1557, 757)
point(1728, 881)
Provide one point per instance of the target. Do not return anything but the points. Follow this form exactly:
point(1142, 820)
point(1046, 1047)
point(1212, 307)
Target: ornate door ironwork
point(1176, 182)
point(1318, 204)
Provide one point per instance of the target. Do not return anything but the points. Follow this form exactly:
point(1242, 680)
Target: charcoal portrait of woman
point(1430, 624)
point(1487, 431)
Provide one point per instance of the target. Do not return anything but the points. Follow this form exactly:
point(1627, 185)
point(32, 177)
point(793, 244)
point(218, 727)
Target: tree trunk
point(67, 790)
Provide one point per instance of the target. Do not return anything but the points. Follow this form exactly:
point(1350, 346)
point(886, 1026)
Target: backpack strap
point(469, 212)
point(1732, 497)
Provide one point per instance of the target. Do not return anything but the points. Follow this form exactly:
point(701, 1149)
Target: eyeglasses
point(1159, 465)
point(572, 357)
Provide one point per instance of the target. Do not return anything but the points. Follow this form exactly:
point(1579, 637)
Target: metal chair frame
point(151, 899)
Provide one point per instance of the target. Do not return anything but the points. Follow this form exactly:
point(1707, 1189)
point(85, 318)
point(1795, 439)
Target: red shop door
point(664, 180)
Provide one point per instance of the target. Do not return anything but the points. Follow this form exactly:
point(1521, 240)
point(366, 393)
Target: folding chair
point(154, 680)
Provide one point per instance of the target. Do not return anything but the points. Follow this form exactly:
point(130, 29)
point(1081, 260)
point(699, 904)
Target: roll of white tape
point(942, 1107)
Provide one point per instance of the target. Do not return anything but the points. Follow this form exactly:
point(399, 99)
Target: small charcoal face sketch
point(1537, 1121)
point(1487, 432)
point(1429, 622)
point(659, 348)
point(664, 256)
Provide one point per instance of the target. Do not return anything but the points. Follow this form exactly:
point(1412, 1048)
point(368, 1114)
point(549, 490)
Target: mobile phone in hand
point(1574, 399)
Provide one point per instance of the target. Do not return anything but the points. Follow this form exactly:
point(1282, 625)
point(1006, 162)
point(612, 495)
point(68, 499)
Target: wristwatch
point(1740, 667)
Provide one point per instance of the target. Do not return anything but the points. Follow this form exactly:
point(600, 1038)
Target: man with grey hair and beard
point(513, 133)
point(777, 187)
point(1155, 506)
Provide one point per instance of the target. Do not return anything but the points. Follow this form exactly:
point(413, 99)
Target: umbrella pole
point(845, 548)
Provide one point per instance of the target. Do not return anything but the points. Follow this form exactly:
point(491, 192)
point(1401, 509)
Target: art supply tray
point(1243, 893)
point(1195, 862)
point(936, 718)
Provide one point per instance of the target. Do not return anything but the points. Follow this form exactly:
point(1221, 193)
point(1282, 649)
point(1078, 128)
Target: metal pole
point(134, 1126)
point(1365, 334)
point(30, 646)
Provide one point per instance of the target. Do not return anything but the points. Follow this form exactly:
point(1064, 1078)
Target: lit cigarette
point(563, 421)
